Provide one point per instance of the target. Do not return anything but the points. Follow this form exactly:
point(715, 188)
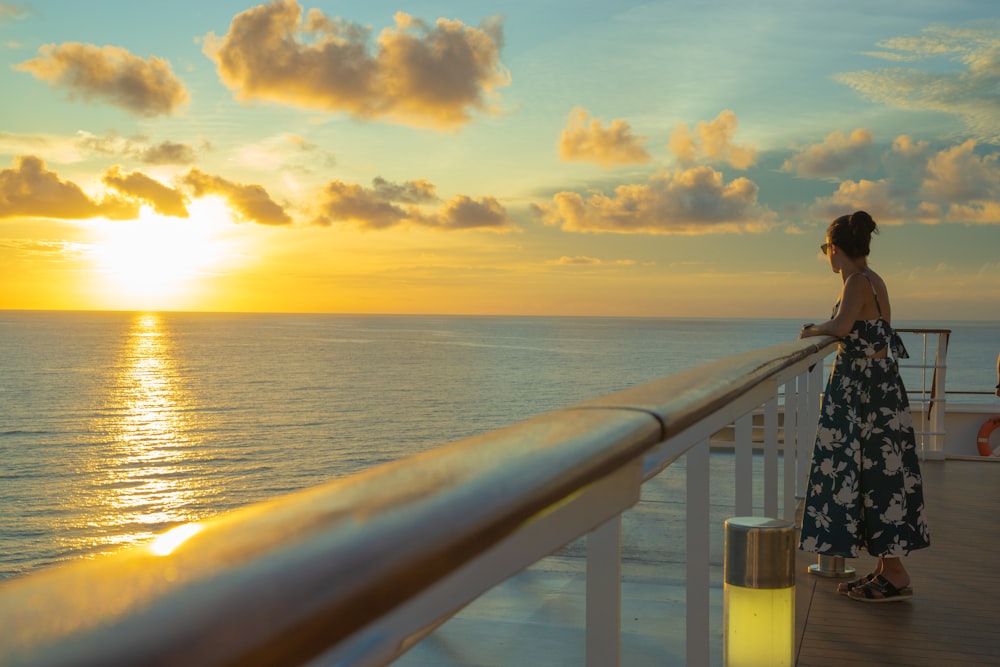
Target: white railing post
point(802, 421)
point(604, 597)
point(698, 549)
point(744, 465)
point(791, 440)
point(938, 404)
point(771, 457)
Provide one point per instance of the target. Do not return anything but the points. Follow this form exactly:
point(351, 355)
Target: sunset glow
point(643, 158)
point(154, 261)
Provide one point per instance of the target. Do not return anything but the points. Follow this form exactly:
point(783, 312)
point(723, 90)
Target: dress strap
point(874, 293)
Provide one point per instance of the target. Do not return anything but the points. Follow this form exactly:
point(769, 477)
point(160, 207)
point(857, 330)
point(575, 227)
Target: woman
point(865, 488)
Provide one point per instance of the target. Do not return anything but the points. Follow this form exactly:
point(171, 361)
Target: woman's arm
point(852, 302)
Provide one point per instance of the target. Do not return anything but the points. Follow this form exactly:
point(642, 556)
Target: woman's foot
point(846, 587)
point(880, 589)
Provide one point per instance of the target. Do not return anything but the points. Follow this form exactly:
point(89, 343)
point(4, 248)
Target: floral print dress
point(865, 489)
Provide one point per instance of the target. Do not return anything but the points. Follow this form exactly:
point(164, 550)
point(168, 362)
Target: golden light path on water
point(148, 481)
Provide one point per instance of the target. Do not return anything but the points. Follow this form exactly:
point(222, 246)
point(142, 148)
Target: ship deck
point(951, 619)
point(538, 617)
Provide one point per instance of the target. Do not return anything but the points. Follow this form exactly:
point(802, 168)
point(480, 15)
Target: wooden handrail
point(280, 582)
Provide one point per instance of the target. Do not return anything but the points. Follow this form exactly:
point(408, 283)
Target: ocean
point(117, 426)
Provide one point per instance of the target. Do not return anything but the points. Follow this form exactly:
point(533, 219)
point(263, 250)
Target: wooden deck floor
point(537, 617)
point(953, 616)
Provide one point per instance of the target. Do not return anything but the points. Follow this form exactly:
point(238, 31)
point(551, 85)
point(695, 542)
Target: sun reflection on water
point(147, 469)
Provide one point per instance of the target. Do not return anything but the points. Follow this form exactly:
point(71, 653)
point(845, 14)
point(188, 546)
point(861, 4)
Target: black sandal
point(880, 589)
point(847, 587)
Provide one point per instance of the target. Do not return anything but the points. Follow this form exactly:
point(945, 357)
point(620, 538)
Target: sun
point(158, 262)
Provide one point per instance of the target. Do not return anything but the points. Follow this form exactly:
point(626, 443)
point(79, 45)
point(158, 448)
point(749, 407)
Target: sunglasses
point(824, 247)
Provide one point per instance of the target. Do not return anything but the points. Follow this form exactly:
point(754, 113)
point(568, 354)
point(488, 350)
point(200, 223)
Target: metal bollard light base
point(831, 566)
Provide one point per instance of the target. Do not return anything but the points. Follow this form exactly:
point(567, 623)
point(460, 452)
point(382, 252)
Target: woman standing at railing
point(997, 390)
point(865, 488)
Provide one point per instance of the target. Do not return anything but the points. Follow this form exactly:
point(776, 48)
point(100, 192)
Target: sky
point(535, 157)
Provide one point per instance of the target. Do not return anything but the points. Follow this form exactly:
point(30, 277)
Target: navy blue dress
point(865, 489)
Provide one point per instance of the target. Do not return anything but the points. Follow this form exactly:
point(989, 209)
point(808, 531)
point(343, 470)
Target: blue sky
point(649, 159)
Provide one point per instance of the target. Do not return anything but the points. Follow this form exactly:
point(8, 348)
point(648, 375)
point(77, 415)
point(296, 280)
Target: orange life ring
point(983, 439)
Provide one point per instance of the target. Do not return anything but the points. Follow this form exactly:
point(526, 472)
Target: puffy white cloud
point(388, 204)
point(250, 202)
point(422, 74)
point(30, 189)
point(144, 87)
point(585, 141)
point(958, 174)
point(712, 141)
point(164, 199)
point(695, 201)
point(838, 155)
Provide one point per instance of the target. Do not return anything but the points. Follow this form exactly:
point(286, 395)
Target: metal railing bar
point(284, 581)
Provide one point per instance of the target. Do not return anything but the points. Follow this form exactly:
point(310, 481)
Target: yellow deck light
point(759, 592)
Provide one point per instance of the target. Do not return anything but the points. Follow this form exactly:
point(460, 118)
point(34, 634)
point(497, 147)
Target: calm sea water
point(117, 426)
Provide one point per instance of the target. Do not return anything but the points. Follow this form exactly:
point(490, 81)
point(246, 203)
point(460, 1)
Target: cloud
point(980, 213)
point(164, 200)
point(420, 74)
point(55, 249)
point(971, 92)
point(167, 152)
point(712, 141)
point(958, 174)
point(350, 202)
point(55, 148)
point(286, 151)
point(614, 145)
point(10, 11)
point(411, 192)
point(379, 207)
point(877, 198)
point(695, 201)
point(837, 155)
point(250, 202)
point(137, 148)
point(583, 260)
point(144, 87)
point(31, 190)
point(952, 185)
point(462, 212)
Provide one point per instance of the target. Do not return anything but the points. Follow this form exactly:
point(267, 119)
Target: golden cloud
point(378, 207)
point(420, 74)
point(836, 156)
point(137, 185)
point(589, 142)
point(695, 201)
point(144, 87)
point(138, 148)
point(31, 190)
point(583, 260)
point(711, 141)
point(952, 185)
point(958, 174)
point(463, 212)
point(350, 202)
point(250, 202)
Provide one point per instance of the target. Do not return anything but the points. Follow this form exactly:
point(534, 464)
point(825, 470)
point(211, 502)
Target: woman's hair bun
point(861, 221)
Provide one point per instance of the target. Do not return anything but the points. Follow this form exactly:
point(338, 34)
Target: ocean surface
point(118, 426)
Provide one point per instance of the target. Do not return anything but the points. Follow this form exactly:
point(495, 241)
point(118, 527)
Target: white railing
point(356, 571)
point(929, 402)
